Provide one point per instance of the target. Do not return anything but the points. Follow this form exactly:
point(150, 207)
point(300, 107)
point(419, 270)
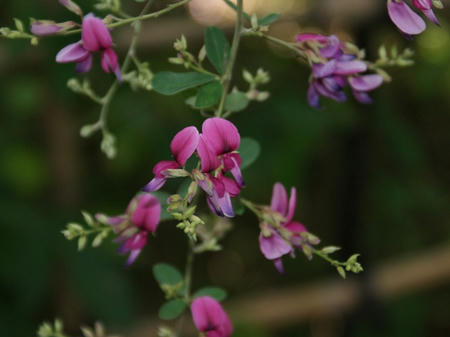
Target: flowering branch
point(233, 54)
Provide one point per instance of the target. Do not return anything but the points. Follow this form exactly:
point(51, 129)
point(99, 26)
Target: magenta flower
point(48, 27)
point(217, 149)
point(210, 318)
point(183, 146)
point(95, 37)
point(275, 242)
point(334, 67)
point(141, 217)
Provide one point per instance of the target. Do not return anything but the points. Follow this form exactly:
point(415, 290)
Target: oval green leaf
point(208, 95)
point(249, 151)
point(166, 274)
point(236, 101)
point(171, 309)
point(170, 83)
point(216, 293)
point(268, 19)
point(217, 48)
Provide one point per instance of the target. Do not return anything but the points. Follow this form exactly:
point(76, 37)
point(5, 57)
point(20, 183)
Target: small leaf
point(208, 95)
point(216, 293)
point(166, 274)
point(217, 48)
point(341, 272)
point(82, 243)
point(172, 309)
point(268, 19)
point(169, 83)
point(249, 151)
point(236, 101)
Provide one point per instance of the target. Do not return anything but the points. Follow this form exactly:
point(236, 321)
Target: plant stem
point(233, 55)
point(324, 256)
point(106, 100)
point(277, 41)
point(141, 17)
point(187, 283)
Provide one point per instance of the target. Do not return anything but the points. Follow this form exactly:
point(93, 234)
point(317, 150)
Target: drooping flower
point(182, 146)
point(95, 37)
point(334, 66)
point(210, 318)
point(408, 21)
point(277, 241)
point(132, 228)
point(217, 149)
point(48, 27)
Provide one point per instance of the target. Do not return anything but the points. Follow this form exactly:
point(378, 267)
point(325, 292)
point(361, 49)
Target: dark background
point(372, 179)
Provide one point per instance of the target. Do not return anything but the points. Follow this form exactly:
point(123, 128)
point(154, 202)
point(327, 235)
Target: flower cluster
point(280, 234)
point(210, 318)
point(141, 217)
point(408, 21)
point(335, 65)
point(217, 147)
point(95, 37)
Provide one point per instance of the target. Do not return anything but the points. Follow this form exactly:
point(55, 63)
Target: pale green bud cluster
point(140, 79)
point(51, 330)
point(77, 231)
point(18, 33)
point(255, 81)
point(109, 5)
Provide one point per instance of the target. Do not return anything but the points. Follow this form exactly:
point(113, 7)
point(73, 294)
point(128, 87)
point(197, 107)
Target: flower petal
point(74, 52)
point(278, 263)
point(84, 66)
point(207, 155)
point(94, 34)
point(279, 202)
point(274, 246)
point(184, 144)
point(110, 63)
point(292, 205)
point(313, 97)
point(362, 97)
point(408, 21)
point(366, 82)
point(221, 134)
point(147, 213)
point(209, 316)
point(350, 67)
point(320, 70)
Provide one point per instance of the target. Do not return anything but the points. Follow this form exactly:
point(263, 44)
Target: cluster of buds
point(255, 81)
point(179, 208)
point(336, 65)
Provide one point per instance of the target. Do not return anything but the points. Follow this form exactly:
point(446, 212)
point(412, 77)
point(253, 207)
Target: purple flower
point(95, 37)
point(48, 27)
point(141, 217)
point(210, 318)
point(183, 146)
point(277, 242)
point(426, 6)
point(333, 65)
point(406, 20)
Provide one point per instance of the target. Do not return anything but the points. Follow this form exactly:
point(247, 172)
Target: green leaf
point(208, 95)
point(236, 101)
point(172, 309)
point(249, 151)
point(268, 19)
point(166, 274)
point(169, 83)
point(216, 293)
point(217, 48)
point(162, 197)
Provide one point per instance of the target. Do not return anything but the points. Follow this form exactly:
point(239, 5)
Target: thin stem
point(233, 55)
point(324, 256)
point(141, 17)
point(106, 100)
point(187, 282)
point(277, 41)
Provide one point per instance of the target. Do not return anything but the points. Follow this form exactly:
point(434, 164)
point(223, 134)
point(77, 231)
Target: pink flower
point(95, 37)
point(217, 149)
point(183, 146)
point(210, 318)
point(408, 21)
point(48, 27)
point(277, 242)
point(141, 217)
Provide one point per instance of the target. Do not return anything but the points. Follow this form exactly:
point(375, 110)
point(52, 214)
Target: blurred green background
point(372, 179)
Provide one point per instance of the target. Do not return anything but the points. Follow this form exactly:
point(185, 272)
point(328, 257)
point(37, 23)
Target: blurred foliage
point(372, 179)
